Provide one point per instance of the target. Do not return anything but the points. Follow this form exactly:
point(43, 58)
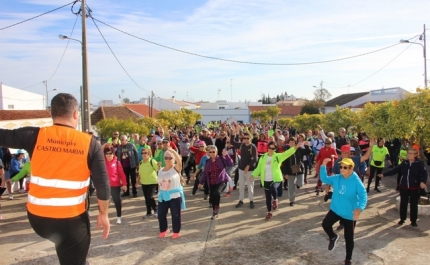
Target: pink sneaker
point(175, 235)
point(163, 234)
point(227, 194)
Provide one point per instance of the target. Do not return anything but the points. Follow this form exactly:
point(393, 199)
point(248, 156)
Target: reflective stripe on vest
point(60, 172)
point(58, 183)
point(70, 201)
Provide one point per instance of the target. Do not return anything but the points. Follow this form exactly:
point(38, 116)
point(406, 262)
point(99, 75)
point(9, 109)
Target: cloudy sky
point(264, 31)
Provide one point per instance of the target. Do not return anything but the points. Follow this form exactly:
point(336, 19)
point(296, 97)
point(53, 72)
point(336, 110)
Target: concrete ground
point(239, 236)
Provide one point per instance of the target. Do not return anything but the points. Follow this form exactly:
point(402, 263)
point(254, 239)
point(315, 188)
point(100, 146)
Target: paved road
point(239, 236)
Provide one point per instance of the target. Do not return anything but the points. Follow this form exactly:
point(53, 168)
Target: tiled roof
point(109, 112)
point(142, 109)
point(285, 110)
point(343, 99)
point(9, 115)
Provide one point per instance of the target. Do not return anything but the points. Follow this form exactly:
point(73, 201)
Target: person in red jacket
point(116, 178)
point(325, 152)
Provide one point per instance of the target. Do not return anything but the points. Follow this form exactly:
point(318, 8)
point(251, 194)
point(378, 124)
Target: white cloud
point(258, 31)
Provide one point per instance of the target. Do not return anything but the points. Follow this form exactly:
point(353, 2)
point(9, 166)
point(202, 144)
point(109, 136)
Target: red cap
point(345, 149)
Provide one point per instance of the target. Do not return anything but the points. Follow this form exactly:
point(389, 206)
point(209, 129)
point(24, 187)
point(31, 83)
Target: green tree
point(106, 127)
point(273, 111)
point(412, 118)
point(322, 94)
point(126, 100)
point(377, 120)
point(260, 116)
point(311, 107)
point(285, 121)
point(341, 117)
point(308, 122)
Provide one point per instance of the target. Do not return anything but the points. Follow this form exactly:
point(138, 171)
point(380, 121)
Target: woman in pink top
point(116, 178)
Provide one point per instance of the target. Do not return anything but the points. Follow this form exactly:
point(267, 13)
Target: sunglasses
point(272, 148)
point(108, 154)
point(245, 138)
point(212, 152)
point(168, 158)
point(144, 153)
point(159, 143)
point(344, 167)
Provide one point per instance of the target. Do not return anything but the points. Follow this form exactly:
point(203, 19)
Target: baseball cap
point(345, 148)
point(285, 132)
point(20, 151)
point(352, 149)
point(282, 138)
point(347, 161)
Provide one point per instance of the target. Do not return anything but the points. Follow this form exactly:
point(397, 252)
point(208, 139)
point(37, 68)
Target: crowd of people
point(213, 159)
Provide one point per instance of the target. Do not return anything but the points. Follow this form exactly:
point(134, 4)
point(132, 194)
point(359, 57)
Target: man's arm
point(22, 138)
point(368, 152)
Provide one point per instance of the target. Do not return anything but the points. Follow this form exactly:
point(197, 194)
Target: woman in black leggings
point(116, 179)
point(147, 176)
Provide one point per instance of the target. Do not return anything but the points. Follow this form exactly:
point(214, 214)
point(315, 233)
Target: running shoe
point(163, 234)
point(332, 243)
point(275, 204)
point(239, 204)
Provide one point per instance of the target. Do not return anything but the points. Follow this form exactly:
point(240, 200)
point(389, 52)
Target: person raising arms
point(62, 160)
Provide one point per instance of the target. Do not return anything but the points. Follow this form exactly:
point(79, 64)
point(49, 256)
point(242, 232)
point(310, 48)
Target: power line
point(115, 56)
point(65, 49)
point(380, 69)
point(243, 62)
point(38, 15)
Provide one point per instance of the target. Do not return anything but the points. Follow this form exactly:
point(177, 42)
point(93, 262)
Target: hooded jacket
point(412, 174)
point(349, 193)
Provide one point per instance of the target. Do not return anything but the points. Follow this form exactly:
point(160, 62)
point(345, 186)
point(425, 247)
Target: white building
point(106, 103)
point(17, 99)
point(356, 101)
point(208, 115)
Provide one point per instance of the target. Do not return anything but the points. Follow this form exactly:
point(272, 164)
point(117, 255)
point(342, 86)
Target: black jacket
point(295, 159)
point(412, 174)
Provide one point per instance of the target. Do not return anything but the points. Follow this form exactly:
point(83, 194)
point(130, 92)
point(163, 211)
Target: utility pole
point(86, 126)
point(219, 90)
point(425, 58)
point(321, 86)
point(46, 87)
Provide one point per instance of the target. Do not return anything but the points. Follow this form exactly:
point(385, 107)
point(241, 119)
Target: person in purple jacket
point(214, 174)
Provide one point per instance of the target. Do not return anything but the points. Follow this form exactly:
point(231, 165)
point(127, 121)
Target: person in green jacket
point(25, 171)
point(269, 171)
point(147, 176)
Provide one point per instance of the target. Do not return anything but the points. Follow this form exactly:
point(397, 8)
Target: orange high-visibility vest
point(60, 173)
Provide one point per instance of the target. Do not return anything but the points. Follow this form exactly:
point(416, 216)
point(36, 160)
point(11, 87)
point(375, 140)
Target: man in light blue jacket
point(348, 201)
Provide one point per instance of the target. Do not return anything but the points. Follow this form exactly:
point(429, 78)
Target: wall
point(162, 104)
point(380, 95)
point(224, 114)
point(15, 124)
point(20, 99)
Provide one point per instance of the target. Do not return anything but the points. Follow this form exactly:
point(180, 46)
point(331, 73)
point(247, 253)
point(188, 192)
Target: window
point(221, 107)
point(10, 107)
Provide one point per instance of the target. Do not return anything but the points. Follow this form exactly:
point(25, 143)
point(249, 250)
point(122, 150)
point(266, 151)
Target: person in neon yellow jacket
point(269, 171)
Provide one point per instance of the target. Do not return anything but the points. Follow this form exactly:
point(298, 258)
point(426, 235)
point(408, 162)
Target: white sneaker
point(21, 191)
point(10, 197)
point(118, 220)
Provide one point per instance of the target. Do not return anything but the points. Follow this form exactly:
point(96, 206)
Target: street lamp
point(423, 38)
point(85, 101)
